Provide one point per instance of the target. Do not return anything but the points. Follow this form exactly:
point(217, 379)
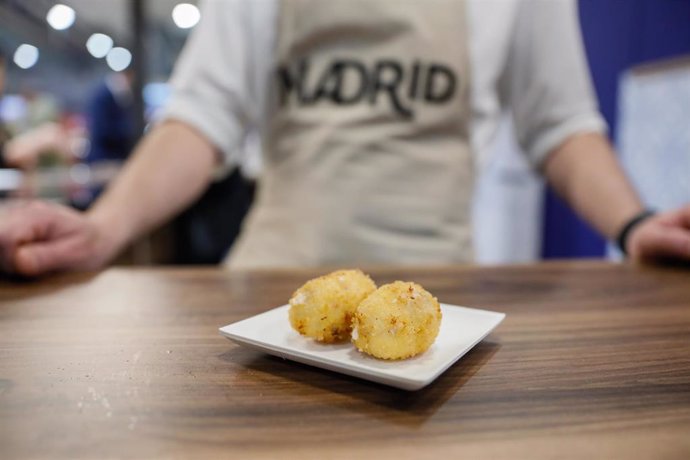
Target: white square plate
point(461, 329)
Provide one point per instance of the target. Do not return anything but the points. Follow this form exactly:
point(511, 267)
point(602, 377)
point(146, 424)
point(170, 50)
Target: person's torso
point(367, 156)
point(489, 32)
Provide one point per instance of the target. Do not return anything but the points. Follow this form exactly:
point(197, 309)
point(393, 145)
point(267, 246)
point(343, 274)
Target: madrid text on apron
point(367, 157)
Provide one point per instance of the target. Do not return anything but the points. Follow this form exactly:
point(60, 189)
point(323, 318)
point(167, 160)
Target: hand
point(663, 236)
point(38, 238)
point(24, 151)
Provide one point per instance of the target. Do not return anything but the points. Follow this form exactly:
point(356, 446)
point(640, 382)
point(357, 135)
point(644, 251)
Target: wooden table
point(592, 361)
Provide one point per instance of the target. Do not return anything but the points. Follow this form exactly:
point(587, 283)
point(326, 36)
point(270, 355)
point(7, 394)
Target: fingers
point(48, 256)
point(13, 232)
point(664, 242)
point(41, 238)
point(684, 216)
point(20, 225)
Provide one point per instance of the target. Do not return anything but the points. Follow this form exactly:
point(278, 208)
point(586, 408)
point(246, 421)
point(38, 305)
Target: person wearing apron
point(364, 108)
point(367, 157)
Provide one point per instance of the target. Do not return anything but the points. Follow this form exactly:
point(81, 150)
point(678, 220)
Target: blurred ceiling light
point(26, 56)
point(80, 174)
point(186, 15)
point(118, 59)
point(61, 17)
point(99, 45)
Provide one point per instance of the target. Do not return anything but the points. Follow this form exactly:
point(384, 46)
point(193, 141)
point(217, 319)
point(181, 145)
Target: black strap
point(622, 239)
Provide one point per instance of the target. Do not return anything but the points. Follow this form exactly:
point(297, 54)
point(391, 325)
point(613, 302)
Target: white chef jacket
point(524, 55)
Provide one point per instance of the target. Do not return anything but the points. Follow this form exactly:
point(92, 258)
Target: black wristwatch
point(622, 238)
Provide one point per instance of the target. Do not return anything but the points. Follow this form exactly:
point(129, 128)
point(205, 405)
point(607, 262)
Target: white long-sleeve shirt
point(525, 55)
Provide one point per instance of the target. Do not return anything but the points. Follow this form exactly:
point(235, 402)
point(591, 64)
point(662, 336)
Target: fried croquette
point(323, 307)
point(397, 321)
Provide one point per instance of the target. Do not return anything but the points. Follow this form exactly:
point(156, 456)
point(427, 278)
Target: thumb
point(43, 257)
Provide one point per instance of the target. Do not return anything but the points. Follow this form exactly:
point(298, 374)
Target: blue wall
point(618, 34)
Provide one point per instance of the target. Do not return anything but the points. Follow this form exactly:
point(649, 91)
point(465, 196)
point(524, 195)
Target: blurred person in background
point(41, 108)
point(46, 145)
point(4, 132)
point(111, 119)
point(38, 137)
point(372, 114)
point(111, 128)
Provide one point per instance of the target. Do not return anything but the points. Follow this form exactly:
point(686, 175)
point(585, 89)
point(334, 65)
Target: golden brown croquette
point(323, 307)
point(397, 321)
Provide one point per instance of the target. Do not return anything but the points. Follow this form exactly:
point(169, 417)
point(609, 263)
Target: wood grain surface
point(592, 361)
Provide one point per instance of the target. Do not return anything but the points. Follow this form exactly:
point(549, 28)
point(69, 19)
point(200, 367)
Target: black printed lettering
point(437, 91)
point(292, 80)
point(381, 83)
point(415, 80)
point(328, 84)
point(349, 81)
point(358, 75)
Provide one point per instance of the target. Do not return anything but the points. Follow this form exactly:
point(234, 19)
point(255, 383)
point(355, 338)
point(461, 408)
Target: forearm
point(585, 172)
point(168, 170)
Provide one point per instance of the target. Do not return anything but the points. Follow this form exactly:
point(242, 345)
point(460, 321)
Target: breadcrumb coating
point(323, 307)
point(399, 320)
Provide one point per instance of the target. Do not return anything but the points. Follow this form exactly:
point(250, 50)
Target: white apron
point(367, 157)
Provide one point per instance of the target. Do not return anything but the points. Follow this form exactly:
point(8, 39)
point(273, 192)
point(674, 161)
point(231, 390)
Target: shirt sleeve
point(210, 80)
point(546, 81)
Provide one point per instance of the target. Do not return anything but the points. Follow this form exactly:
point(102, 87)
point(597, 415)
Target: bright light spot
point(10, 180)
point(118, 59)
point(186, 15)
point(13, 108)
point(99, 45)
point(80, 174)
point(61, 17)
point(26, 56)
point(80, 146)
point(156, 94)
